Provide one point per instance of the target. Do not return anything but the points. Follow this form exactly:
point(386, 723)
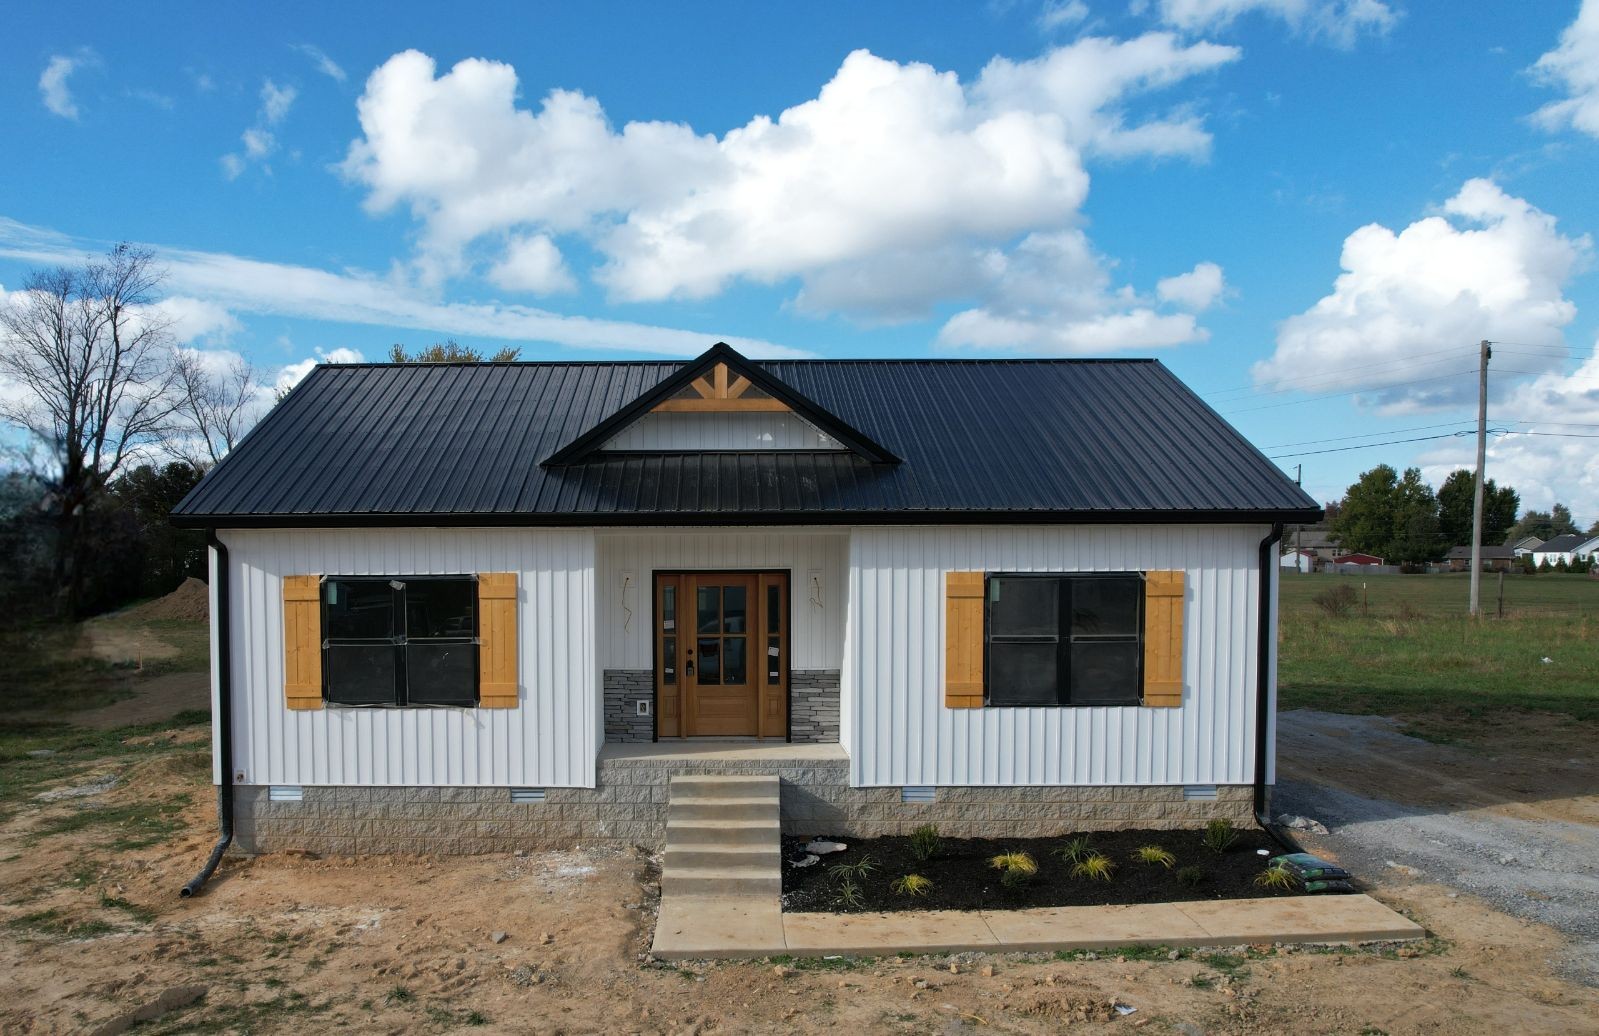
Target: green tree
point(1365, 522)
point(1545, 525)
point(1415, 520)
point(1561, 520)
point(451, 351)
point(1456, 499)
point(146, 495)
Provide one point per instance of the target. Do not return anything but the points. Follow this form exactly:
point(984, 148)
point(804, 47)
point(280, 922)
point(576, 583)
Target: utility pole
point(1482, 461)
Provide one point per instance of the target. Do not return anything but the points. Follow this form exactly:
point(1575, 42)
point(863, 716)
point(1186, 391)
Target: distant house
point(1318, 542)
point(1494, 559)
point(1567, 548)
point(1303, 560)
point(1525, 545)
point(1357, 559)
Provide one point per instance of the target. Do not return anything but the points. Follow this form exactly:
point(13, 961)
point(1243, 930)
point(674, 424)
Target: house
point(1494, 559)
point(1302, 560)
point(1319, 542)
point(1567, 548)
point(1526, 545)
point(483, 606)
point(1356, 558)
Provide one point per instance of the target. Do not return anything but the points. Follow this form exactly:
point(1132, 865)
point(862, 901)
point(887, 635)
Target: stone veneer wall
point(629, 808)
point(624, 689)
point(813, 706)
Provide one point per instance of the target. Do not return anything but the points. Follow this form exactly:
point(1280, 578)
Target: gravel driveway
point(1517, 830)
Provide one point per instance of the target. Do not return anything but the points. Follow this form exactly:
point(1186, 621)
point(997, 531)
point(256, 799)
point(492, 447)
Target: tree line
point(1399, 517)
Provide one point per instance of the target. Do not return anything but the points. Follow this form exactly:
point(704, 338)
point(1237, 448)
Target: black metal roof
point(976, 441)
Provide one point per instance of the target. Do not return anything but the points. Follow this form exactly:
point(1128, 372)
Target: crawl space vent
point(918, 793)
point(285, 793)
point(526, 796)
point(1199, 793)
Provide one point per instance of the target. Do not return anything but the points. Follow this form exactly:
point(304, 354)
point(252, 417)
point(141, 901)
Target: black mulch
point(963, 880)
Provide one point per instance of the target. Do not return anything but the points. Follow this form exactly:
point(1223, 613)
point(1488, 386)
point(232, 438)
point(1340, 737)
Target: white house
point(1567, 548)
point(469, 607)
point(1303, 561)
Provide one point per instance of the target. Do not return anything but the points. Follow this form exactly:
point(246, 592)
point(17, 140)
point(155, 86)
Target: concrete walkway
point(713, 926)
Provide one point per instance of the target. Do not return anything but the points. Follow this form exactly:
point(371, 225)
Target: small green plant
point(859, 870)
point(1219, 835)
point(1014, 867)
point(1155, 854)
point(1190, 877)
point(849, 893)
point(1074, 849)
point(925, 842)
point(1094, 867)
point(399, 995)
point(913, 885)
point(1459, 973)
point(1276, 878)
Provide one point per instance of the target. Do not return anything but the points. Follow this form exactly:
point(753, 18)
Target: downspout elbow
point(224, 721)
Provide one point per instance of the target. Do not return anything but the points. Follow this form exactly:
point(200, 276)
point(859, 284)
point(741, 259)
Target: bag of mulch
point(1328, 885)
point(1309, 868)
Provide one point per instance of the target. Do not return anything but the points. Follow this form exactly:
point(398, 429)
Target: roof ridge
point(940, 360)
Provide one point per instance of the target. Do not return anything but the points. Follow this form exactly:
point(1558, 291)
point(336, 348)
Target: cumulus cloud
point(891, 171)
point(318, 57)
point(291, 374)
point(1410, 307)
point(55, 88)
point(259, 140)
point(1339, 22)
point(1060, 14)
point(1197, 290)
point(1573, 66)
point(533, 264)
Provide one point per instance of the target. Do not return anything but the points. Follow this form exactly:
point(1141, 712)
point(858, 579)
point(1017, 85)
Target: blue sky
point(1310, 209)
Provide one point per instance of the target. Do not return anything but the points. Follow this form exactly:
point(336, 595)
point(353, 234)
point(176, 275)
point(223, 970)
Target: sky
point(1311, 210)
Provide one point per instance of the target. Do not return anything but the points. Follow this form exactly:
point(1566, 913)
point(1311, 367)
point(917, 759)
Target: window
point(400, 641)
point(1064, 640)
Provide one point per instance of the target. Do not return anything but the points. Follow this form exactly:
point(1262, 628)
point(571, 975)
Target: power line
point(1369, 445)
point(1367, 435)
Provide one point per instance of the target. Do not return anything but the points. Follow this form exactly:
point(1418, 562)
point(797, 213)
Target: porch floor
point(696, 751)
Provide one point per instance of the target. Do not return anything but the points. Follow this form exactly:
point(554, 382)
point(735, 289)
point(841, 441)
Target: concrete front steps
point(723, 837)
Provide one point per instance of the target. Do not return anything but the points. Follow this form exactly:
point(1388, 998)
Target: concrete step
point(725, 808)
point(721, 832)
point(722, 881)
point(713, 786)
point(690, 856)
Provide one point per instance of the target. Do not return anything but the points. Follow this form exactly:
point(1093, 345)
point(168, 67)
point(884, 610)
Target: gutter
point(224, 721)
point(1263, 646)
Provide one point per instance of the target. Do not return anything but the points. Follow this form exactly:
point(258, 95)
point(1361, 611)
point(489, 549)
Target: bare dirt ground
point(1512, 817)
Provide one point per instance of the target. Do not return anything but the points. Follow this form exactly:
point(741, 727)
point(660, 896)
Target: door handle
point(688, 668)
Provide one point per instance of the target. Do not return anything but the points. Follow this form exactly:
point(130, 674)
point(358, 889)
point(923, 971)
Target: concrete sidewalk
point(709, 926)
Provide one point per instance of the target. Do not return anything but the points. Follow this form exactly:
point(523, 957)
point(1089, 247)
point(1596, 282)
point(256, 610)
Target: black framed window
point(409, 640)
point(1064, 639)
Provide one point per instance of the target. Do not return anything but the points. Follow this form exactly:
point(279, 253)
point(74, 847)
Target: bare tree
point(217, 407)
point(92, 358)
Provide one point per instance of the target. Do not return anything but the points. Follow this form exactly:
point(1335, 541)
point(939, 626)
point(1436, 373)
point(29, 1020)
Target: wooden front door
point(721, 654)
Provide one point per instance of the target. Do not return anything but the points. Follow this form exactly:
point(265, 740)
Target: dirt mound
point(190, 602)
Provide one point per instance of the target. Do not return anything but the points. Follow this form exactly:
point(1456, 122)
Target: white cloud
point(241, 285)
point(324, 64)
point(259, 140)
point(1340, 22)
point(55, 90)
point(291, 374)
point(1413, 305)
point(533, 264)
point(1573, 66)
point(1198, 289)
point(888, 161)
point(1058, 14)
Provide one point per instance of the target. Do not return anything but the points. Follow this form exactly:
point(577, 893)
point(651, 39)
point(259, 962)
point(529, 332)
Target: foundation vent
point(918, 793)
point(285, 793)
point(527, 796)
point(1199, 793)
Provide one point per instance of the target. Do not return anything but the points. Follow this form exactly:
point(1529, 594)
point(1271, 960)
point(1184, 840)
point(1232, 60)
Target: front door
point(721, 664)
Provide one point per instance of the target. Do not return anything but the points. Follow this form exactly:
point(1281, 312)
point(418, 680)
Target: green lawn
point(1408, 648)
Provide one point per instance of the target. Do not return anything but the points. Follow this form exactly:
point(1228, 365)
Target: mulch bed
point(963, 880)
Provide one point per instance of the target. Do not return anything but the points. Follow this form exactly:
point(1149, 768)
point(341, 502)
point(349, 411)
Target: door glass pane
point(439, 607)
point(774, 610)
point(668, 607)
point(361, 674)
point(669, 660)
point(734, 607)
point(710, 661)
point(708, 610)
point(1023, 607)
point(774, 660)
point(733, 664)
point(441, 674)
point(1023, 674)
point(360, 608)
point(1105, 673)
point(1105, 607)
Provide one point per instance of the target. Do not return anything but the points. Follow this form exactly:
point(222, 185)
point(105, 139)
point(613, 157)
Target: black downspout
point(224, 727)
point(1263, 646)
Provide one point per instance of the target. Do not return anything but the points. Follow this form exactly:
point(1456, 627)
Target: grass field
point(1407, 647)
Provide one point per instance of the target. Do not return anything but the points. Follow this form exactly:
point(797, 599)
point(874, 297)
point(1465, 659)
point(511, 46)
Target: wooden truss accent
point(720, 393)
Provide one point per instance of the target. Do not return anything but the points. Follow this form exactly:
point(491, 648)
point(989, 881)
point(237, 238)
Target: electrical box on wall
point(643, 706)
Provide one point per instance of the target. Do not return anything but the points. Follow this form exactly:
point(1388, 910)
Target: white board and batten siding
point(548, 740)
point(758, 430)
point(816, 560)
point(898, 732)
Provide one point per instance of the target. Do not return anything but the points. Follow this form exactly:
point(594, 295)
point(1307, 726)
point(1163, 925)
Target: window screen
point(408, 640)
point(1064, 640)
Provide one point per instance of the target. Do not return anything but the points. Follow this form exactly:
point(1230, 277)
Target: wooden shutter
point(963, 640)
point(302, 641)
point(496, 630)
point(1163, 639)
